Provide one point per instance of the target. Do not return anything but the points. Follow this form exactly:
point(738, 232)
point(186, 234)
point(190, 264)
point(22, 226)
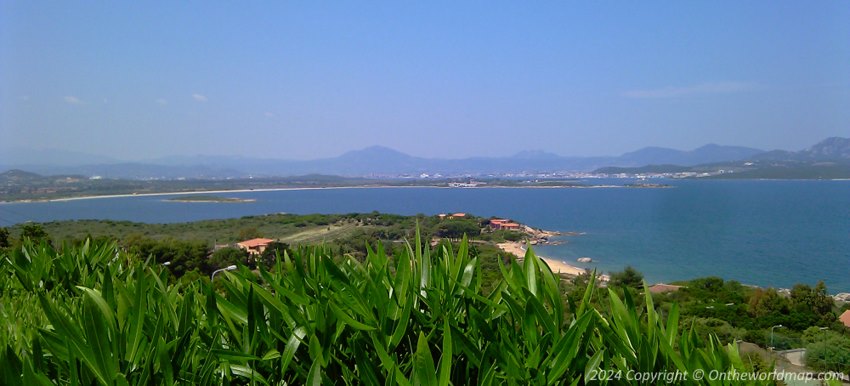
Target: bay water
point(766, 233)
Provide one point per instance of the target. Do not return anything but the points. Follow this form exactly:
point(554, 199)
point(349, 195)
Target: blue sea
point(766, 233)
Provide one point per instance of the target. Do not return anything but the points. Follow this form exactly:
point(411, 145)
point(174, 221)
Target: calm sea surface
point(770, 233)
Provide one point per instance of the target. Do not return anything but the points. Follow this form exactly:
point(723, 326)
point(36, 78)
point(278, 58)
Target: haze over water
point(767, 233)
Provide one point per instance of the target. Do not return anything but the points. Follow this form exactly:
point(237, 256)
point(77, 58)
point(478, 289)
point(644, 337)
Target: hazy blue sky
point(138, 80)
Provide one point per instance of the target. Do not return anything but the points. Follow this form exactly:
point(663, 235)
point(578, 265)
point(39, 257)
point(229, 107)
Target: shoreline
point(182, 193)
point(557, 266)
point(248, 190)
point(217, 201)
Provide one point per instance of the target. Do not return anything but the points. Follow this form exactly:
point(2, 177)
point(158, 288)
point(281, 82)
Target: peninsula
point(210, 199)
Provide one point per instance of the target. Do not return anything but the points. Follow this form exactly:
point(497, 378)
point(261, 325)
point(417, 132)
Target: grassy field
point(321, 234)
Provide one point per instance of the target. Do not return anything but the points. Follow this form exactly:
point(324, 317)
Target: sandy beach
point(518, 250)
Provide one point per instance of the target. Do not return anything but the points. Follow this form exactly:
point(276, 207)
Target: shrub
point(420, 318)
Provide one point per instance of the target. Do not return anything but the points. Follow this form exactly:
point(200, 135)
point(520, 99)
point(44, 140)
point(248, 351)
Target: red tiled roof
point(459, 214)
point(662, 288)
point(845, 318)
point(255, 242)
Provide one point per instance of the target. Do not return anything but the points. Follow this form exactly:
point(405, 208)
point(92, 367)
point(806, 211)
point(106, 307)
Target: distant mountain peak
point(710, 146)
point(704, 154)
point(535, 154)
point(830, 148)
point(18, 176)
point(18, 173)
point(376, 150)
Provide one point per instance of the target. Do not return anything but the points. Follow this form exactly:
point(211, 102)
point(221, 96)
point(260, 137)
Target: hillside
point(828, 159)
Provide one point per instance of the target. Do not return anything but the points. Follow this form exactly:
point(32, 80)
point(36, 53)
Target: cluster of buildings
point(500, 223)
point(495, 223)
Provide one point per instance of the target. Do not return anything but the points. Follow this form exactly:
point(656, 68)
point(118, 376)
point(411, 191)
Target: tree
point(455, 229)
point(627, 278)
point(227, 256)
point(181, 256)
point(249, 233)
point(4, 238)
point(768, 308)
point(814, 300)
point(34, 232)
point(830, 354)
point(272, 250)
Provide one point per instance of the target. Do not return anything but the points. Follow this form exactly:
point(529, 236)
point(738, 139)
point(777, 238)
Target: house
point(661, 288)
point(500, 223)
point(255, 246)
point(457, 215)
point(845, 318)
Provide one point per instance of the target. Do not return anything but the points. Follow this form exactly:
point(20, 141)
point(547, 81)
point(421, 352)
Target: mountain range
point(380, 161)
point(827, 159)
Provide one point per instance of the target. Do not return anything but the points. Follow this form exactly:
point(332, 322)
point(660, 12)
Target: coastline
point(559, 267)
point(124, 195)
point(212, 201)
point(182, 193)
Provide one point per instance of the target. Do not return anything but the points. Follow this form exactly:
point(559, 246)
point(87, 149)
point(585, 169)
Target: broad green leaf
point(530, 268)
point(349, 320)
point(446, 357)
point(424, 372)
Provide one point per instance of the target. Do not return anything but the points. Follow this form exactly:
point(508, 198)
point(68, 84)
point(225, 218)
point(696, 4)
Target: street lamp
point(228, 268)
point(771, 333)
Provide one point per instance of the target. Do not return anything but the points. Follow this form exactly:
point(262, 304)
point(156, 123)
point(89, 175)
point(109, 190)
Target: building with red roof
point(255, 246)
point(500, 223)
point(661, 288)
point(845, 318)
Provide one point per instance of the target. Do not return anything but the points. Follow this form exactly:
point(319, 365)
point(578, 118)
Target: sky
point(304, 80)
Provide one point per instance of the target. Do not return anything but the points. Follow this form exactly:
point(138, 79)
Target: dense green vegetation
point(735, 312)
point(195, 246)
point(96, 313)
point(287, 227)
point(714, 310)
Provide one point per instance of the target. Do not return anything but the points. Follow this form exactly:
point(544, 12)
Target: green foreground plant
point(98, 315)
